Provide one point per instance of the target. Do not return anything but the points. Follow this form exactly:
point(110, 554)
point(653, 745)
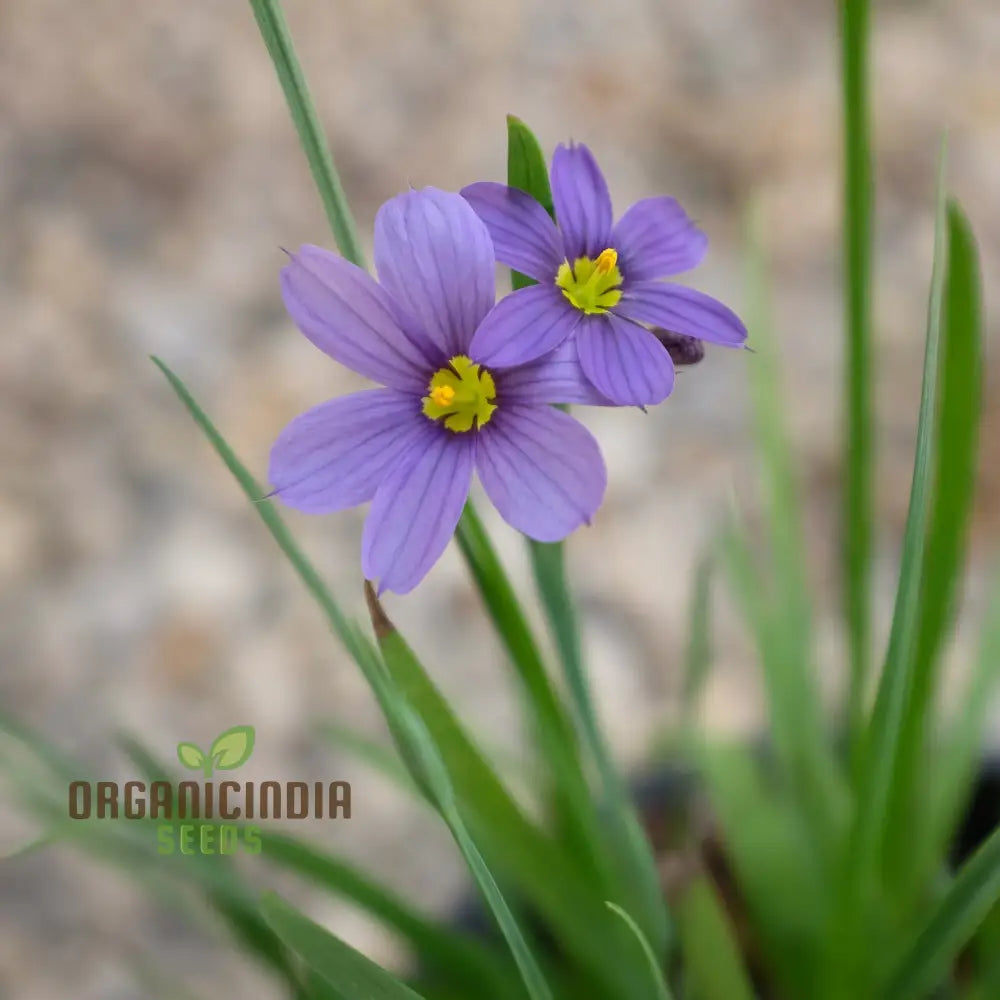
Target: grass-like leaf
point(713, 966)
point(467, 962)
point(376, 755)
point(773, 862)
point(349, 974)
point(520, 852)
point(858, 423)
point(850, 958)
point(785, 639)
point(957, 440)
point(553, 728)
point(973, 894)
point(953, 767)
point(698, 654)
point(655, 970)
point(430, 771)
point(341, 624)
point(274, 31)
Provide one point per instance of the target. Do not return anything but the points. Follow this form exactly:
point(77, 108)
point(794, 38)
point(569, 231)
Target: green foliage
point(347, 973)
point(834, 883)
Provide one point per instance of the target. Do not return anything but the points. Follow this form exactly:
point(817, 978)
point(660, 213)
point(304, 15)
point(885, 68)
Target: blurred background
point(149, 174)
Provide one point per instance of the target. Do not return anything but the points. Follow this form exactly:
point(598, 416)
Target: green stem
point(632, 849)
point(555, 732)
point(274, 31)
point(857, 512)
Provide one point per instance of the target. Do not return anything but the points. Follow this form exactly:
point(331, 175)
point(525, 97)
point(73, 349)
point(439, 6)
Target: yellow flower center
point(592, 285)
point(460, 395)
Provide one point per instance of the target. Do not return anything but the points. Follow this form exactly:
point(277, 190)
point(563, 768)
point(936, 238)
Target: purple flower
point(411, 447)
point(597, 280)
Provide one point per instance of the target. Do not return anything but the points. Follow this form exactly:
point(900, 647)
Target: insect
point(683, 350)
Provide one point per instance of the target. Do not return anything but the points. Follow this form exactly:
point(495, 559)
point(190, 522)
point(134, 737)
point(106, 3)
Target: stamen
point(592, 285)
point(607, 260)
point(442, 395)
point(460, 395)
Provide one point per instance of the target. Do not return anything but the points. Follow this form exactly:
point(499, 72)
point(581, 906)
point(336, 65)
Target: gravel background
point(149, 174)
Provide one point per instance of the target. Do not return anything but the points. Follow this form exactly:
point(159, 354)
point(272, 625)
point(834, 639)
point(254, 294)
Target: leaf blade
point(277, 39)
point(350, 974)
point(849, 958)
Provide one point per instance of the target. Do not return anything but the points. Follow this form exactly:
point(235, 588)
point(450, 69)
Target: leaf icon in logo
point(232, 748)
point(190, 756)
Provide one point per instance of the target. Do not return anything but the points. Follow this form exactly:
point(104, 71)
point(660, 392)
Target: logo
point(230, 750)
point(209, 817)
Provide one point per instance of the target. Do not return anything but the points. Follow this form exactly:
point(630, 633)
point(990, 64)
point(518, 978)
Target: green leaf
point(784, 620)
point(655, 971)
point(430, 771)
point(350, 974)
point(713, 966)
point(274, 31)
point(850, 957)
point(344, 628)
point(858, 436)
point(955, 448)
point(466, 961)
point(233, 748)
point(698, 655)
point(553, 728)
point(773, 861)
point(633, 864)
point(526, 170)
point(973, 894)
point(525, 856)
point(190, 756)
point(463, 960)
point(954, 764)
point(526, 166)
point(381, 758)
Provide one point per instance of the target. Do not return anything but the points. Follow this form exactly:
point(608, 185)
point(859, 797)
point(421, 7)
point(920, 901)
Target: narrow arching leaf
point(350, 975)
point(655, 971)
point(274, 31)
point(858, 500)
point(528, 171)
point(973, 894)
point(713, 965)
point(850, 958)
point(430, 771)
point(552, 725)
point(521, 853)
point(955, 450)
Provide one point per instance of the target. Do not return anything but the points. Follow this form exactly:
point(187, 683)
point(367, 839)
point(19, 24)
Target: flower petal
point(555, 378)
point(655, 238)
point(434, 256)
point(624, 361)
point(683, 310)
point(416, 508)
point(582, 202)
point(523, 326)
point(524, 236)
point(335, 455)
point(542, 469)
point(342, 310)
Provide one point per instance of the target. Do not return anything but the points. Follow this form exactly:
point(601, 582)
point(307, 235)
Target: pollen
point(461, 395)
point(592, 285)
point(607, 261)
point(442, 395)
